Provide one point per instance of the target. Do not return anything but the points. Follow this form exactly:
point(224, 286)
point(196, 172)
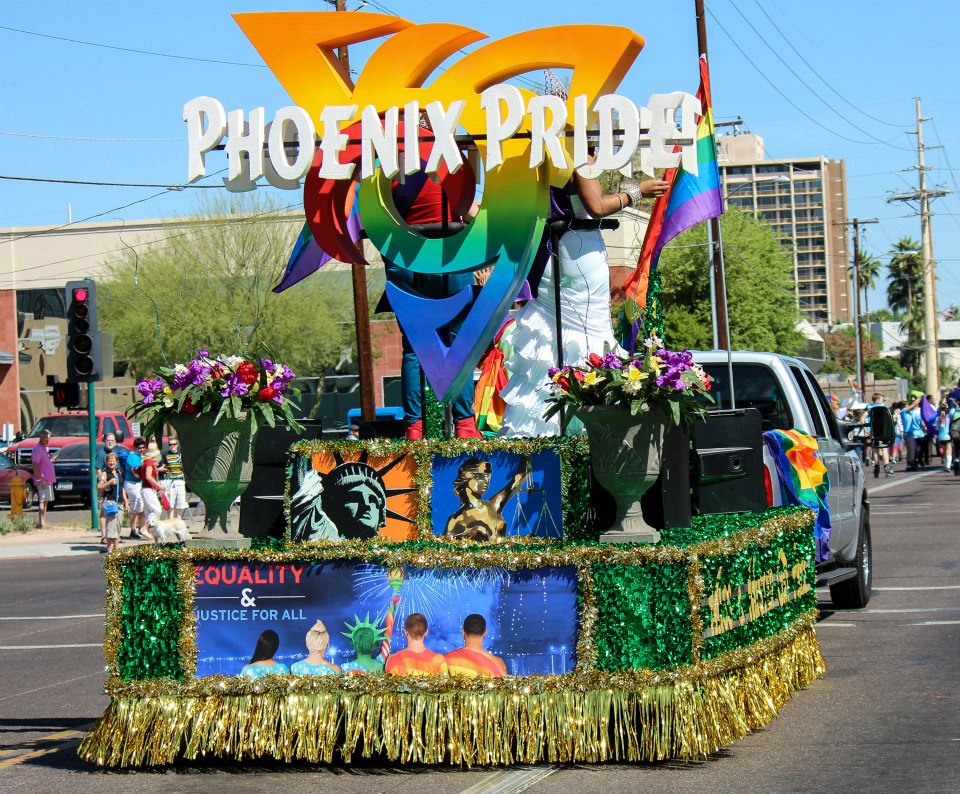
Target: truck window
point(61, 425)
point(832, 426)
point(755, 387)
point(811, 400)
point(108, 427)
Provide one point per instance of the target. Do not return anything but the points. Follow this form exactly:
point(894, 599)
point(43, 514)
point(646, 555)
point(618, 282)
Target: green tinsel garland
point(653, 316)
point(643, 619)
point(151, 611)
point(434, 415)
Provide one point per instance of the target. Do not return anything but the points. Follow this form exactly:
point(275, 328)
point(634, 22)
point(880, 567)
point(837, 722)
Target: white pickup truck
point(787, 395)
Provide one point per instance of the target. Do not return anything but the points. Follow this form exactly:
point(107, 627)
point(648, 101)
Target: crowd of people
point(923, 430)
point(139, 485)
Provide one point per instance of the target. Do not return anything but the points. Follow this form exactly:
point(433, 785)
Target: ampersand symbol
point(247, 600)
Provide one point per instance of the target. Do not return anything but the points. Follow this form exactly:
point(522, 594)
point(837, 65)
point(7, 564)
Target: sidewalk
point(72, 541)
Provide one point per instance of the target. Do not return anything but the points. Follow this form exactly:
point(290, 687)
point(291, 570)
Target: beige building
point(36, 263)
point(805, 200)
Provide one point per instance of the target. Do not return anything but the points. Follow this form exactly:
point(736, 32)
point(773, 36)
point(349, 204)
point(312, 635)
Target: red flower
point(189, 407)
point(563, 383)
point(266, 394)
point(595, 360)
point(247, 372)
point(578, 374)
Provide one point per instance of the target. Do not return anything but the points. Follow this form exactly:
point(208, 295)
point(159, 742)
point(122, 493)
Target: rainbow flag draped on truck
point(690, 200)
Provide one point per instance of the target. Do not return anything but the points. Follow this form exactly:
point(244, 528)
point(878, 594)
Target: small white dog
point(173, 530)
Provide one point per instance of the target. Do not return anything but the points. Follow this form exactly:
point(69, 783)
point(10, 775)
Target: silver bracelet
point(635, 195)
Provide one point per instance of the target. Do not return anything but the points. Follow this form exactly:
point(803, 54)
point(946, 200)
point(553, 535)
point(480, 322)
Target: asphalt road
point(885, 718)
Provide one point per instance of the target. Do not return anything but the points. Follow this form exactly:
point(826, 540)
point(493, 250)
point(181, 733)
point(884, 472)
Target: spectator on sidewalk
point(176, 485)
point(132, 486)
point(44, 477)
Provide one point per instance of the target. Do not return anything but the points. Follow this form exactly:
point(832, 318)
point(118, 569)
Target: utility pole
point(361, 310)
point(718, 281)
point(931, 354)
point(857, 288)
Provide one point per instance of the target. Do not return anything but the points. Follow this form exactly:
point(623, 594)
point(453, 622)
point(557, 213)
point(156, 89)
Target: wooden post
point(361, 309)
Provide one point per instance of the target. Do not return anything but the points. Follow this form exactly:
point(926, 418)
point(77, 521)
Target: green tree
point(885, 368)
point(870, 267)
point(210, 286)
point(905, 295)
point(760, 298)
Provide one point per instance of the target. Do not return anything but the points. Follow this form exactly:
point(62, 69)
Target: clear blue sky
point(63, 101)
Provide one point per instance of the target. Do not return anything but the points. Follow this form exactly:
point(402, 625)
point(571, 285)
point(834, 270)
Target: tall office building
point(804, 199)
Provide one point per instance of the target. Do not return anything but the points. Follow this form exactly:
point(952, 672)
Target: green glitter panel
point(643, 619)
point(737, 571)
point(150, 621)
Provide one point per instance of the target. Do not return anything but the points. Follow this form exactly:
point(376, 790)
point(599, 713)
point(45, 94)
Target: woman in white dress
point(584, 310)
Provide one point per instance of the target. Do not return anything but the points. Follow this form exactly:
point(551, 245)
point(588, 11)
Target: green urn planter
point(625, 453)
point(217, 461)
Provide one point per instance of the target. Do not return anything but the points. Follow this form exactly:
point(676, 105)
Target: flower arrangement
point(231, 386)
point(655, 377)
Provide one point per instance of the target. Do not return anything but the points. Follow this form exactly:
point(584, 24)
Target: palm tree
point(905, 294)
point(869, 270)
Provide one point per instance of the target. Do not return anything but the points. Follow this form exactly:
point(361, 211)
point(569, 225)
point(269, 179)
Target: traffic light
point(84, 364)
point(66, 395)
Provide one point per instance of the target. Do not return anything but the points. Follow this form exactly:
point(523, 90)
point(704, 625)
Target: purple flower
point(671, 379)
point(197, 373)
point(553, 371)
point(278, 397)
point(286, 374)
point(203, 353)
point(612, 361)
point(234, 387)
point(267, 364)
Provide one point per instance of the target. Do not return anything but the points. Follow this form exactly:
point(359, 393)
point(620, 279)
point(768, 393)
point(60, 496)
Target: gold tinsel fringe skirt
point(622, 717)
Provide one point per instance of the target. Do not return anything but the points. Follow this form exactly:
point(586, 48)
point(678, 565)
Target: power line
point(819, 76)
point(129, 49)
point(107, 184)
point(775, 88)
point(212, 224)
point(794, 73)
point(13, 239)
point(81, 138)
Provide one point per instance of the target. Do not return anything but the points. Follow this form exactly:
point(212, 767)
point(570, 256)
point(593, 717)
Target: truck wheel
point(855, 593)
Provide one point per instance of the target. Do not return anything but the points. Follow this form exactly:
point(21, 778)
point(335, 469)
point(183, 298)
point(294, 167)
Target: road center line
point(898, 611)
point(836, 625)
point(61, 739)
point(930, 587)
point(50, 647)
point(55, 617)
point(511, 781)
point(937, 623)
point(904, 481)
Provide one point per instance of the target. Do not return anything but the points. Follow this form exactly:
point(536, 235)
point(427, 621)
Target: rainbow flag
point(802, 478)
point(689, 201)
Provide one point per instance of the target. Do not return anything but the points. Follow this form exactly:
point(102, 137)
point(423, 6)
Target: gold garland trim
point(590, 717)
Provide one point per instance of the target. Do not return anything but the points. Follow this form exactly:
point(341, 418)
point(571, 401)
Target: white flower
point(632, 387)
point(233, 362)
point(653, 342)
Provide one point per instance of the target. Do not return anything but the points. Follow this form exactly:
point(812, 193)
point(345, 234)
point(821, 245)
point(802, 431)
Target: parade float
point(605, 650)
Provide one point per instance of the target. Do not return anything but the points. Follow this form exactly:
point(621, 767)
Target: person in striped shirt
point(176, 485)
point(472, 660)
point(416, 658)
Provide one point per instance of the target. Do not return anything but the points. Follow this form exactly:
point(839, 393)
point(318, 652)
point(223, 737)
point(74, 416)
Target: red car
point(69, 428)
point(7, 472)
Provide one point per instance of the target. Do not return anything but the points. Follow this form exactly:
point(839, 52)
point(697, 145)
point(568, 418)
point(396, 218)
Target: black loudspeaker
point(667, 502)
point(383, 428)
point(261, 506)
point(727, 463)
